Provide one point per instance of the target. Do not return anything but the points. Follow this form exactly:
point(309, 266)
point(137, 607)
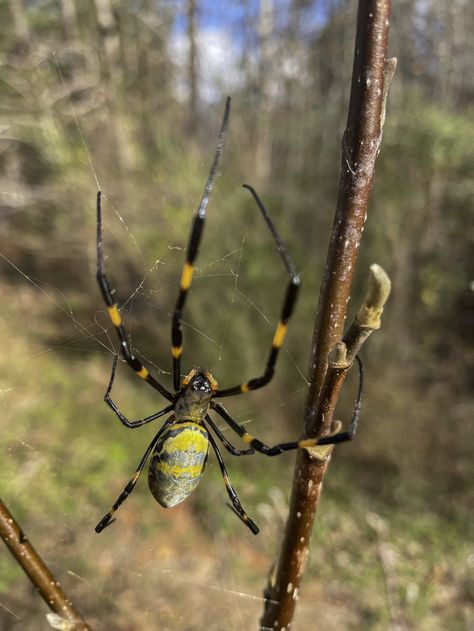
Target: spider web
point(170, 555)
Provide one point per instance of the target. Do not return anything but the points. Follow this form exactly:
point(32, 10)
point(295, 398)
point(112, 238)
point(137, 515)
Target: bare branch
point(44, 582)
point(360, 146)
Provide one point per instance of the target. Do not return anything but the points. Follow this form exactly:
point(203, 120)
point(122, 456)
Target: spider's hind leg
point(235, 505)
point(107, 519)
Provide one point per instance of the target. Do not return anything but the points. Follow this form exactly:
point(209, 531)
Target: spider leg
point(114, 313)
point(278, 449)
point(349, 435)
point(230, 448)
point(287, 309)
point(236, 506)
point(192, 251)
point(123, 419)
point(107, 519)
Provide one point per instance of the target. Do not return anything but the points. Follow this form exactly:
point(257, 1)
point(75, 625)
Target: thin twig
point(360, 146)
point(387, 558)
point(368, 318)
point(66, 618)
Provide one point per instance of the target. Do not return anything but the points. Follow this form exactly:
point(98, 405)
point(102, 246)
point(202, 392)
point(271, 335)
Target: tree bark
point(360, 146)
point(263, 151)
point(20, 24)
point(192, 67)
point(69, 19)
point(113, 77)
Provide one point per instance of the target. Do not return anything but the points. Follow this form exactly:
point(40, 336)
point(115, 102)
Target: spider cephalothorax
point(194, 398)
point(180, 448)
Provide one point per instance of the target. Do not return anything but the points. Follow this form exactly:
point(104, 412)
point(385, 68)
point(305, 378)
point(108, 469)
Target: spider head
point(200, 381)
point(200, 384)
point(195, 395)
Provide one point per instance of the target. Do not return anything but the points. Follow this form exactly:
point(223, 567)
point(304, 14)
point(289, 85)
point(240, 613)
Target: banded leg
point(114, 313)
point(236, 506)
point(278, 449)
point(287, 309)
point(229, 446)
point(107, 519)
point(123, 419)
point(192, 250)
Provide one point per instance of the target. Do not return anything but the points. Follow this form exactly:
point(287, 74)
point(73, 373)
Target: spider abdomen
point(178, 462)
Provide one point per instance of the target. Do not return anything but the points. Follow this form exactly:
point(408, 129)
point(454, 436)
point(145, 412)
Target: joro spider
point(180, 448)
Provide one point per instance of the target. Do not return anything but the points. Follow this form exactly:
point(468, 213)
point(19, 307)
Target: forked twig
point(331, 357)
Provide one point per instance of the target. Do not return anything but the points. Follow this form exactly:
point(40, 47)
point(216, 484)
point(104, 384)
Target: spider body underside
point(180, 455)
point(180, 449)
point(178, 462)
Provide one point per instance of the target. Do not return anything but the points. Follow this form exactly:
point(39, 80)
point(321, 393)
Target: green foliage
point(72, 115)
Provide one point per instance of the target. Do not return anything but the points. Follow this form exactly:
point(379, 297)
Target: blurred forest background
point(129, 96)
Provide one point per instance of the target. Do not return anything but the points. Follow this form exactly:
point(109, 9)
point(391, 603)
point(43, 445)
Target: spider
point(180, 448)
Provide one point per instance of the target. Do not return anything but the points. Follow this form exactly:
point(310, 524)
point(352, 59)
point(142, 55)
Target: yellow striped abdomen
point(178, 462)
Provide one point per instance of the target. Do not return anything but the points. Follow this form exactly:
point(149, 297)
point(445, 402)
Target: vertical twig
point(47, 586)
point(361, 141)
point(193, 66)
point(387, 558)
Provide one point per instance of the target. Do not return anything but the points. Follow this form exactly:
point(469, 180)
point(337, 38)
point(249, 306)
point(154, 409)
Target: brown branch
point(44, 582)
point(367, 320)
point(361, 141)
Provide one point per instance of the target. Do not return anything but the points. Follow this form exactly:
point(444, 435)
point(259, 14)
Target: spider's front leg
point(192, 252)
point(114, 312)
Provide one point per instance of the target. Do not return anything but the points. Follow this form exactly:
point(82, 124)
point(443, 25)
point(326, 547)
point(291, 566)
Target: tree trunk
point(20, 25)
point(69, 19)
point(263, 151)
point(192, 67)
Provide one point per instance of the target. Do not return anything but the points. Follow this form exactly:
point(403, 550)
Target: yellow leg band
point(176, 351)
point(244, 387)
point(247, 438)
point(307, 442)
point(187, 276)
point(143, 373)
point(115, 316)
point(279, 336)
